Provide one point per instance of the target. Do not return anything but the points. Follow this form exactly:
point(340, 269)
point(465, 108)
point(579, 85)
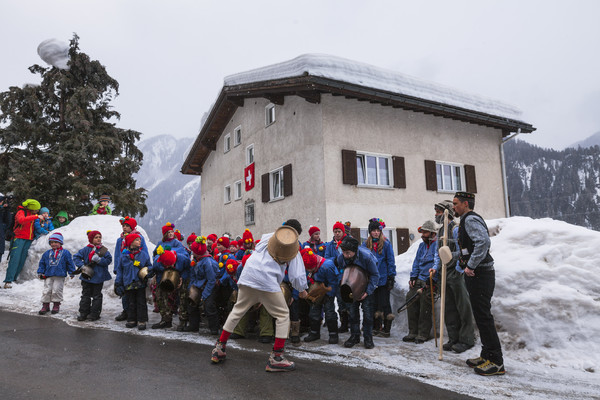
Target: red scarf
point(94, 248)
point(133, 253)
point(57, 252)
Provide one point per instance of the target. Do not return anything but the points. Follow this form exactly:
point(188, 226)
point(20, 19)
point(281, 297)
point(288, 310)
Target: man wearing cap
point(480, 278)
point(260, 282)
point(419, 312)
point(457, 307)
point(27, 214)
point(364, 259)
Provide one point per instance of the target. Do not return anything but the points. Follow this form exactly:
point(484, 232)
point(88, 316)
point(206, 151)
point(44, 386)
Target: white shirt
point(261, 272)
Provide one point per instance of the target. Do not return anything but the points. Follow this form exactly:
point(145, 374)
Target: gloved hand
point(391, 281)
point(151, 273)
point(119, 289)
point(412, 282)
point(96, 258)
point(42, 276)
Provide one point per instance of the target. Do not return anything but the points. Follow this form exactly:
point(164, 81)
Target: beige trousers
point(53, 289)
point(273, 302)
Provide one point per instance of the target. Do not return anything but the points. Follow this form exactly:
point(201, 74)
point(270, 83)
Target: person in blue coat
point(128, 280)
point(321, 270)
point(315, 242)
point(53, 268)
point(332, 251)
point(164, 260)
point(383, 251)
point(361, 257)
point(44, 225)
point(97, 256)
point(203, 275)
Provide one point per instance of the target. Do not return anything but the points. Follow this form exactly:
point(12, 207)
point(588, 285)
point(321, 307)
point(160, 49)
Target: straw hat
point(283, 245)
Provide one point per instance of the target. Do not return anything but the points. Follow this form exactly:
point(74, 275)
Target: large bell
point(170, 280)
point(87, 272)
point(354, 283)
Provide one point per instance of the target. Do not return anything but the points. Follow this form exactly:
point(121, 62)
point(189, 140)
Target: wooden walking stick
point(433, 307)
point(443, 297)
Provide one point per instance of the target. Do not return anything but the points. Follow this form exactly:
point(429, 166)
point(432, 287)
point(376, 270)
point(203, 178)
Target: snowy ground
point(546, 305)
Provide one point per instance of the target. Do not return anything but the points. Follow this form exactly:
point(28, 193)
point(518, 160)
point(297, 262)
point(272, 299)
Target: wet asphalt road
point(43, 358)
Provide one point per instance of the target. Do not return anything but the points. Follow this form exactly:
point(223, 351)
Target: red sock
point(279, 344)
point(225, 336)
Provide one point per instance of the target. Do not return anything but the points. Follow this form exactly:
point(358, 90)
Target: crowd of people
point(285, 286)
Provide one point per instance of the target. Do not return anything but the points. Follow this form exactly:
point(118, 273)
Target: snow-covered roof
point(354, 72)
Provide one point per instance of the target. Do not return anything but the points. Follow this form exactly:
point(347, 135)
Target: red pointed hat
point(130, 238)
point(92, 234)
point(199, 245)
point(168, 258)
point(224, 241)
point(168, 227)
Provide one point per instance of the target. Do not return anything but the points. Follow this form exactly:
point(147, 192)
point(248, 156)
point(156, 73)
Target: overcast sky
point(170, 57)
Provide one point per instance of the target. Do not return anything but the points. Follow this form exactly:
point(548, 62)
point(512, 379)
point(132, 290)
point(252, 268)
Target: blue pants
point(18, 255)
point(368, 308)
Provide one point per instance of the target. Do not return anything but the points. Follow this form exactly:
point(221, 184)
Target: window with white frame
point(249, 212)
point(450, 176)
point(227, 194)
point(387, 232)
point(227, 143)
point(237, 136)
point(250, 154)
point(237, 194)
point(374, 169)
point(276, 184)
point(269, 114)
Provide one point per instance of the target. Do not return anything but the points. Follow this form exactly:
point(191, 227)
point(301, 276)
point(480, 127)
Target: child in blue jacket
point(204, 277)
point(99, 258)
point(43, 226)
point(53, 268)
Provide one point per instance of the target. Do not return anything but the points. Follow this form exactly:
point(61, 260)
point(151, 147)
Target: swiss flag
point(249, 177)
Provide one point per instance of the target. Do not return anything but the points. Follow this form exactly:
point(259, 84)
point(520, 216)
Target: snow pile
point(354, 72)
point(54, 52)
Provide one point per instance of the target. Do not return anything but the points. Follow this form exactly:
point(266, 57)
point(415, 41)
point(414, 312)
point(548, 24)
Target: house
point(324, 139)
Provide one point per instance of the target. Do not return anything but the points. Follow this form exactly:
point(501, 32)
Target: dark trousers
point(295, 310)
point(137, 309)
point(481, 289)
point(368, 308)
point(382, 300)
point(327, 305)
point(210, 309)
point(91, 299)
point(125, 301)
point(458, 314)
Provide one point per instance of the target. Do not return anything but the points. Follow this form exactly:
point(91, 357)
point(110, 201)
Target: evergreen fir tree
point(59, 142)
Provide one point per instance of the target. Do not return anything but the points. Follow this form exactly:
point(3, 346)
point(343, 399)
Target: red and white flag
point(249, 177)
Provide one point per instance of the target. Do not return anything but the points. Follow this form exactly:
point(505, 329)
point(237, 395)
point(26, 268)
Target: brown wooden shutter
point(349, 176)
point(266, 191)
point(403, 240)
point(355, 233)
point(287, 180)
point(470, 178)
point(399, 172)
point(430, 175)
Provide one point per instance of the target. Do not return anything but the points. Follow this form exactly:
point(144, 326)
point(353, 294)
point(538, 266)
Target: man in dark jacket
point(478, 266)
point(4, 218)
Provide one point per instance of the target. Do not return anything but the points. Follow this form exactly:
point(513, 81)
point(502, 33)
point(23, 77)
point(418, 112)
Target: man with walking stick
point(478, 266)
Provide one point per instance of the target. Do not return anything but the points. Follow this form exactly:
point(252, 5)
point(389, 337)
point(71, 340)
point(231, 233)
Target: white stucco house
point(324, 139)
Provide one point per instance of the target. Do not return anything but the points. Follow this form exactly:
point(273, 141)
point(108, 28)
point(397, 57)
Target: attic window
point(269, 114)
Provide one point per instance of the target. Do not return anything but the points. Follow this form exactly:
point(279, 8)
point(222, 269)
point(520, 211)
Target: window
point(269, 114)
point(237, 136)
point(238, 190)
point(276, 184)
point(374, 169)
point(388, 232)
point(249, 212)
point(227, 143)
point(249, 154)
point(450, 177)
point(227, 194)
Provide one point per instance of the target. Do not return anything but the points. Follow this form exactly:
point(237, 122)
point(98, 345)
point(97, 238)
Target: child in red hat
point(315, 242)
point(203, 276)
point(332, 251)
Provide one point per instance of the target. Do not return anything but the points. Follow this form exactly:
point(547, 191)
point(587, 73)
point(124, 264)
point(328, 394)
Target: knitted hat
point(129, 221)
point(233, 243)
point(44, 210)
point(56, 237)
point(247, 238)
point(312, 230)
point(223, 241)
point(376, 223)
point(347, 227)
point(130, 238)
point(190, 239)
point(212, 237)
point(31, 204)
point(104, 197)
point(168, 227)
point(198, 246)
point(231, 266)
point(168, 258)
point(339, 225)
point(428, 226)
point(92, 234)
point(311, 259)
point(465, 196)
point(349, 243)
point(245, 258)
point(213, 248)
point(178, 235)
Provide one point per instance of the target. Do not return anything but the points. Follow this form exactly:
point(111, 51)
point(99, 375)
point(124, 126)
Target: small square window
point(269, 114)
point(450, 177)
point(227, 194)
point(227, 143)
point(238, 190)
point(249, 154)
point(249, 212)
point(276, 184)
point(237, 136)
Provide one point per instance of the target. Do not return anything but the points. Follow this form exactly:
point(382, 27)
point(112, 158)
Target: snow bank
point(370, 76)
point(54, 52)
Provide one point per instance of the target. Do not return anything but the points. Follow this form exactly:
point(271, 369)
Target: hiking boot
point(181, 326)
point(377, 323)
point(218, 353)
point(141, 326)
point(409, 338)
point(352, 340)
point(131, 324)
point(312, 336)
point(476, 362)
point(295, 333)
point(122, 316)
point(489, 368)
point(387, 325)
point(45, 308)
point(264, 339)
point(448, 346)
point(55, 308)
point(461, 347)
point(81, 317)
point(421, 339)
point(191, 328)
point(334, 338)
point(7, 285)
point(278, 363)
point(368, 342)
point(93, 317)
point(162, 324)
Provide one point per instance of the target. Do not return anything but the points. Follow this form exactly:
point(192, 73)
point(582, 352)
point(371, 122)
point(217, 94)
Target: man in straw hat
point(260, 283)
